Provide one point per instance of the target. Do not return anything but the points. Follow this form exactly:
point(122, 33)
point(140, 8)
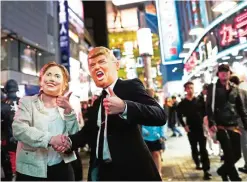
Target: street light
point(223, 6)
point(125, 2)
point(144, 39)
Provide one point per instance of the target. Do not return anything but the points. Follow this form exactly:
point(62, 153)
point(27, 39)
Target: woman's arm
point(22, 126)
point(72, 125)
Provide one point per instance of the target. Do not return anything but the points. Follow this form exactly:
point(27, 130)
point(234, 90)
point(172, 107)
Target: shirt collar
point(111, 86)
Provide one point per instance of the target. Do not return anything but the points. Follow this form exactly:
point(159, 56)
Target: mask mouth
point(100, 75)
point(50, 84)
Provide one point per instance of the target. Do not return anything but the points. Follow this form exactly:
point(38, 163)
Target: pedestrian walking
point(155, 140)
point(154, 137)
point(192, 110)
point(173, 118)
point(225, 109)
point(243, 94)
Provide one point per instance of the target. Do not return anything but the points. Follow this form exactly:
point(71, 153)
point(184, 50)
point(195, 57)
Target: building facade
point(223, 41)
point(29, 34)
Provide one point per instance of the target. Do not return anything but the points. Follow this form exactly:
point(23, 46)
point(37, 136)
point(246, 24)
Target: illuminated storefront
point(224, 41)
point(123, 24)
point(74, 46)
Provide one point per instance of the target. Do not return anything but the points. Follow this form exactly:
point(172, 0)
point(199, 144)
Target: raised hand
point(213, 129)
point(63, 102)
point(113, 104)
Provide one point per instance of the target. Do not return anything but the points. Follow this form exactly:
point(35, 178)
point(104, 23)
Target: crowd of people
point(216, 117)
point(124, 128)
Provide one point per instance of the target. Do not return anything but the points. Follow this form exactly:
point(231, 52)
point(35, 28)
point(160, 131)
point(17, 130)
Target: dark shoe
point(173, 135)
point(235, 178)
point(243, 170)
point(198, 168)
point(180, 135)
point(223, 176)
point(207, 176)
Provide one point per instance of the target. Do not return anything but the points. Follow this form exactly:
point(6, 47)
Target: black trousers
point(58, 172)
point(106, 171)
point(231, 146)
point(195, 138)
point(6, 165)
point(77, 167)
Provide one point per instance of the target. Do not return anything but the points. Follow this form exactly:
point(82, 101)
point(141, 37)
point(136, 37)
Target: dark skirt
point(155, 145)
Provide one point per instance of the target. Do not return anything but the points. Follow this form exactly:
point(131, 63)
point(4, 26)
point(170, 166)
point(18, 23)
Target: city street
point(177, 163)
point(125, 71)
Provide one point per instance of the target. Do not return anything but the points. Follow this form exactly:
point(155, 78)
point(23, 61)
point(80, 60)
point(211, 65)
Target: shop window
point(28, 59)
point(13, 55)
point(9, 54)
point(4, 54)
point(44, 58)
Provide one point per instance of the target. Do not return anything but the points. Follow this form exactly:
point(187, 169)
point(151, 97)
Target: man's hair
point(205, 86)
point(188, 83)
point(98, 51)
point(235, 79)
point(174, 97)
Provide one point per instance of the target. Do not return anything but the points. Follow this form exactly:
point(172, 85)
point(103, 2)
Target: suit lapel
point(96, 109)
point(117, 88)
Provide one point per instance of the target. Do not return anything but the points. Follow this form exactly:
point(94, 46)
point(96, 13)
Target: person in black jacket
point(243, 95)
point(192, 110)
point(224, 117)
point(8, 109)
point(118, 151)
point(172, 118)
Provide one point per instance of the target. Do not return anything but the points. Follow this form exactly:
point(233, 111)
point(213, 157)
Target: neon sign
point(241, 23)
point(191, 63)
point(64, 33)
point(230, 33)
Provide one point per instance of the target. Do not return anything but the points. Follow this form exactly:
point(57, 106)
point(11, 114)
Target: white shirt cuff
point(124, 114)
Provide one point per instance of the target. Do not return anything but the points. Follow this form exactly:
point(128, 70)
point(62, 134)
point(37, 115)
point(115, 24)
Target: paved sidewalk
point(179, 166)
point(177, 163)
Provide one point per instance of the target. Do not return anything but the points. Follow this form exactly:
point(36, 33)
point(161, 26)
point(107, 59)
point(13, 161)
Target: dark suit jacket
point(130, 156)
point(172, 115)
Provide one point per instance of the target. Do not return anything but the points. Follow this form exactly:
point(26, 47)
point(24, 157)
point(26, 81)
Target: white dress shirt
point(106, 151)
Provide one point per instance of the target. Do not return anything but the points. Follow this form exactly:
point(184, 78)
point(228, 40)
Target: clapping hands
point(60, 143)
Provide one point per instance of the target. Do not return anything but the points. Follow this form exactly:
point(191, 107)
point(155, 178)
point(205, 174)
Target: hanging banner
point(170, 43)
point(64, 33)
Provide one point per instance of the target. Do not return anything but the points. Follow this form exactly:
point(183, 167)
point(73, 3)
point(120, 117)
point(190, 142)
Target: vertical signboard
point(168, 30)
point(64, 33)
